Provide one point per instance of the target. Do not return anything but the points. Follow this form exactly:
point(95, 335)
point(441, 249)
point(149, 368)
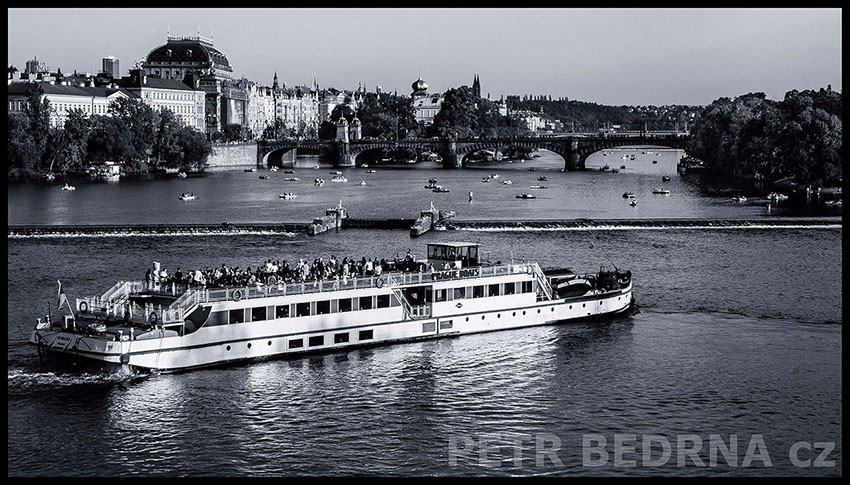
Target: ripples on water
point(730, 339)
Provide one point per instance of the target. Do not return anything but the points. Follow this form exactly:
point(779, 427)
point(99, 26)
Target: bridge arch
point(588, 147)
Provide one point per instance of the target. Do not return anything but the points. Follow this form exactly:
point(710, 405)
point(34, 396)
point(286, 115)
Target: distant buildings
point(425, 106)
point(187, 102)
point(110, 67)
point(63, 98)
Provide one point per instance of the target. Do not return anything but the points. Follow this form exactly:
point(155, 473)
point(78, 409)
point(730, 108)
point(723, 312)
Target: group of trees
point(798, 137)
point(382, 116)
point(465, 115)
point(133, 134)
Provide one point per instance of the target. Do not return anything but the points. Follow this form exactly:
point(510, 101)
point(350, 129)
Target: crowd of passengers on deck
point(279, 271)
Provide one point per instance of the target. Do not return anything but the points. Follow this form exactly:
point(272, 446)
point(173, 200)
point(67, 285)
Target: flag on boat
point(62, 297)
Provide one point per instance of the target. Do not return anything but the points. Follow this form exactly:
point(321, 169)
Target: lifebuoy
point(379, 283)
point(84, 307)
point(154, 317)
point(236, 295)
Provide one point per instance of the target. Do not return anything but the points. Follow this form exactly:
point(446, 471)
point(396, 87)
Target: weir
point(118, 230)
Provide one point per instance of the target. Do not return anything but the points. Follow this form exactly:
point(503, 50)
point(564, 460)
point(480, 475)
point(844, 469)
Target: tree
point(457, 116)
point(21, 152)
point(141, 122)
point(72, 148)
point(110, 139)
point(194, 147)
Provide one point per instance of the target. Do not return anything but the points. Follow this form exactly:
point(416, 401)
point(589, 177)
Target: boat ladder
point(410, 312)
point(544, 289)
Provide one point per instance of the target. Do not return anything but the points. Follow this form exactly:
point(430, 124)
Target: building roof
point(189, 49)
point(22, 89)
point(153, 82)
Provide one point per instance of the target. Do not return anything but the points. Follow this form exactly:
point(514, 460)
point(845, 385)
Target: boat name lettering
point(448, 275)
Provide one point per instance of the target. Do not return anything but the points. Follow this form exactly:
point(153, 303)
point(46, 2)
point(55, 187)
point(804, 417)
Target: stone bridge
point(574, 148)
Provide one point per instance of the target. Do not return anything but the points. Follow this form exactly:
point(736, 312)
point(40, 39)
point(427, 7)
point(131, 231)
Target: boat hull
point(215, 347)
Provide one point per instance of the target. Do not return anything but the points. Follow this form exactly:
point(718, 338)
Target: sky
point(608, 56)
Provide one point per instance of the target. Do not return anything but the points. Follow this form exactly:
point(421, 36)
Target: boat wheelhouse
point(173, 327)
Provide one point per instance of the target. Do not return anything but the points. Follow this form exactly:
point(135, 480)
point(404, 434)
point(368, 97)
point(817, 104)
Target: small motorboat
point(633, 203)
point(655, 161)
point(532, 169)
point(432, 181)
point(273, 169)
point(69, 187)
point(291, 179)
point(486, 180)
point(319, 182)
point(615, 170)
point(833, 203)
point(526, 195)
point(264, 177)
point(288, 195)
point(339, 178)
point(187, 196)
point(605, 168)
point(371, 171)
point(335, 172)
point(629, 195)
point(439, 188)
point(622, 167)
point(739, 198)
point(776, 196)
point(289, 171)
point(362, 182)
point(542, 179)
point(181, 174)
point(315, 167)
point(494, 175)
point(661, 191)
point(253, 169)
point(507, 182)
point(537, 186)
point(364, 165)
point(665, 178)
point(431, 186)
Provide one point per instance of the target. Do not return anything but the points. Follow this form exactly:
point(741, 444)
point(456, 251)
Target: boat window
point(510, 288)
point(323, 307)
point(453, 253)
point(445, 324)
point(473, 253)
point(527, 286)
point(317, 340)
point(341, 338)
point(237, 316)
point(440, 295)
point(429, 326)
point(281, 311)
point(345, 305)
point(365, 303)
point(383, 301)
point(460, 293)
point(493, 290)
point(216, 318)
point(296, 343)
point(258, 314)
point(366, 335)
point(478, 291)
point(302, 309)
point(442, 252)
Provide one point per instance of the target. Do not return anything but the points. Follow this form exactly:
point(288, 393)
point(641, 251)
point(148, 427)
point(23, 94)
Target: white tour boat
point(170, 328)
point(339, 178)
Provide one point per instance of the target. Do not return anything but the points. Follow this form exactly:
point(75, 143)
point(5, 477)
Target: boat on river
point(526, 195)
point(68, 187)
point(628, 195)
point(661, 191)
point(452, 292)
point(187, 196)
point(339, 178)
point(429, 219)
point(291, 179)
point(288, 195)
point(439, 188)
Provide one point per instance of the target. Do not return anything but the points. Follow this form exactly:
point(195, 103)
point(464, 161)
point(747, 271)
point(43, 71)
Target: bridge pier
point(449, 154)
point(344, 156)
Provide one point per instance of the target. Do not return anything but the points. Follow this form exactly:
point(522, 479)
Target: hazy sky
point(610, 56)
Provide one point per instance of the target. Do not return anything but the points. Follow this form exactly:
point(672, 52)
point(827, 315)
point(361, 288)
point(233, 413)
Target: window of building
point(302, 309)
point(460, 293)
point(510, 288)
point(296, 343)
point(383, 301)
point(365, 335)
point(493, 290)
point(237, 316)
point(341, 338)
point(323, 307)
point(365, 303)
point(478, 291)
point(317, 340)
point(281, 311)
point(258, 314)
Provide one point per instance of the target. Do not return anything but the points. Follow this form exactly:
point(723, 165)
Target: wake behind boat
point(169, 325)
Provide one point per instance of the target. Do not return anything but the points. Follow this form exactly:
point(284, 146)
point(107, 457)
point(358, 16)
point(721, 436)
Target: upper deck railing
point(236, 293)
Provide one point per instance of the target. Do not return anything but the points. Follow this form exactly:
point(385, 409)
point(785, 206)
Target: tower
point(476, 87)
point(342, 129)
point(356, 128)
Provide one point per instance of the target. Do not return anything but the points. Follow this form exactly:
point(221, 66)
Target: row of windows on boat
point(323, 307)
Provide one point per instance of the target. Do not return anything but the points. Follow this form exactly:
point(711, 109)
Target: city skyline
point(616, 57)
